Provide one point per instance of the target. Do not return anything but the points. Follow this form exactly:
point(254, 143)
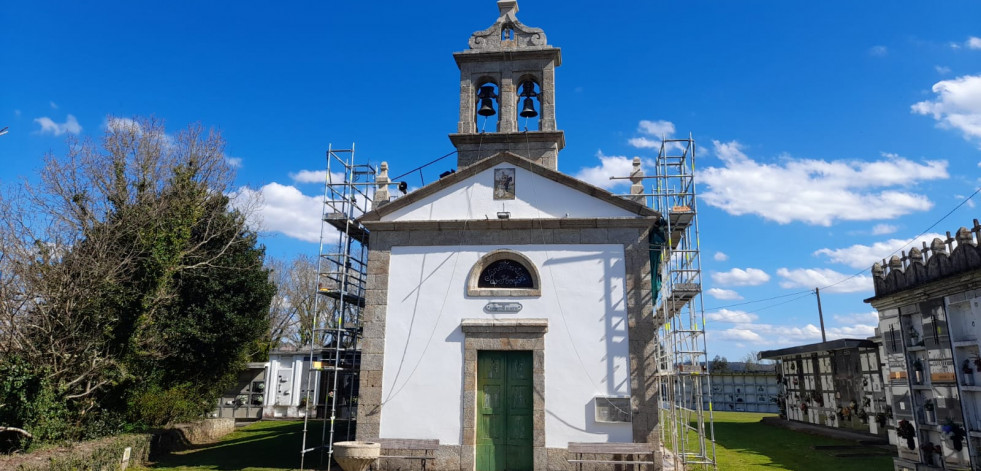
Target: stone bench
point(609, 451)
point(395, 448)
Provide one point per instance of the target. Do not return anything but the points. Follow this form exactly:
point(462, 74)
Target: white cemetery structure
point(837, 384)
point(929, 305)
point(743, 387)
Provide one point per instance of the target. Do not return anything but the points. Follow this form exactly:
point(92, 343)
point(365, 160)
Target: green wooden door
point(504, 411)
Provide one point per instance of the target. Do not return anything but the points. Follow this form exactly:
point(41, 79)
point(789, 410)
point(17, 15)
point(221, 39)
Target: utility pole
point(817, 291)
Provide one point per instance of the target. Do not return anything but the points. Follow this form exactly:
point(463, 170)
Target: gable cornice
point(639, 209)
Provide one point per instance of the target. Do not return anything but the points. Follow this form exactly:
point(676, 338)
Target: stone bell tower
point(507, 93)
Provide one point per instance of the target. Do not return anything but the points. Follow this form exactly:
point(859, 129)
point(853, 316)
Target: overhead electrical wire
point(859, 272)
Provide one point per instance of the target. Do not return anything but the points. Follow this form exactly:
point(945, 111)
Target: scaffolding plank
point(348, 297)
point(345, 224)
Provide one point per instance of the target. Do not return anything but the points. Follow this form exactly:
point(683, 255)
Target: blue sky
point(828, 133)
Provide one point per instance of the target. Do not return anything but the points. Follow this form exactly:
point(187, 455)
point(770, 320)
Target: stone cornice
point(506, 157)
point(512, 224)
point(930, 267)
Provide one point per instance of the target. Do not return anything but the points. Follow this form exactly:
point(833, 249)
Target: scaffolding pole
point(335, 348)
point(683, 379)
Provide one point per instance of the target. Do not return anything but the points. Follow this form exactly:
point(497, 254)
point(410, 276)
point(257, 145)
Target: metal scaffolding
point(341, 279)
point(683, 378)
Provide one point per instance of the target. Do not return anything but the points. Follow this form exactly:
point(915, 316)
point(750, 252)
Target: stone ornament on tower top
point(507, 32)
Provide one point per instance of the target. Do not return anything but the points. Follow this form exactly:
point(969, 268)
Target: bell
point(528, 110)
point(528, 89)
point(486, 107)
point(486, 95)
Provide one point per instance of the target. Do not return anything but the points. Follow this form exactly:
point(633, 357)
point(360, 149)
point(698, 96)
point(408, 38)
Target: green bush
point(155, 406)
point(30, 402)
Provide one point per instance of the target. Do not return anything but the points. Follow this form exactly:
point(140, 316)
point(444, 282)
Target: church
point(508, 310)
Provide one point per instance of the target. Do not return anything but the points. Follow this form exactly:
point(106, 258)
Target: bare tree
point(294, 309)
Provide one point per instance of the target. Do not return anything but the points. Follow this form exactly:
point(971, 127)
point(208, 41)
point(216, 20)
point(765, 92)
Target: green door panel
point(505, 411)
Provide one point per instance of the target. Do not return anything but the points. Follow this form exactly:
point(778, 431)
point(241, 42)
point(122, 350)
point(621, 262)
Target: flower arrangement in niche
point(906, 431)
point(955, 433)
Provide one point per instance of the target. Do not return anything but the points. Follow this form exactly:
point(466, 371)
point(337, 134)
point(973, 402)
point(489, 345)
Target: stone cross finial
point(381, 182)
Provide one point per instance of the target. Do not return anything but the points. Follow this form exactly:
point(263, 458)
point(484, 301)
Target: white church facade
point(509, 306)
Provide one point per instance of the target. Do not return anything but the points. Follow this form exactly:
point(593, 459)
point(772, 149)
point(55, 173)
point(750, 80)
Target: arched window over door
point(504, 273)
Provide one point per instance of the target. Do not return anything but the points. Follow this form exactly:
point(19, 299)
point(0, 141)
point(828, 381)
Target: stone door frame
point(510, 334)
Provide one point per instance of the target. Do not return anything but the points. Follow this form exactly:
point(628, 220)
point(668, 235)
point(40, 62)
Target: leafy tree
point(128, 277)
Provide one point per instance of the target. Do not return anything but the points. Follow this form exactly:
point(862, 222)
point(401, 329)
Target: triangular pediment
point(507, 183)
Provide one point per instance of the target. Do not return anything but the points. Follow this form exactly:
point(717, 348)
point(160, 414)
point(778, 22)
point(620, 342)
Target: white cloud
point(878, 51)
point(866, 318)
point(863, 256)
point(777, 336)
point(880, 229)
point(48, 126)
point(54, 106)
point(644, 143)
point(740, 277)
point(720, 257)
point(824, 278)
point(656, 128)
point(610, 166)
point(315, 176)
point(772, 334)
point(957, 106)
point(973, 42)
point(942, 69)
point(309, 176)
point(234, 162)
point(740, 334)
point(731, 317)
point(816, 191)
point(283, 209)
point(724, 294)
point(859, 331)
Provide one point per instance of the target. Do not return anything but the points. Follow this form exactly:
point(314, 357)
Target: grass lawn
point(742, 443)
point(262, 446)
